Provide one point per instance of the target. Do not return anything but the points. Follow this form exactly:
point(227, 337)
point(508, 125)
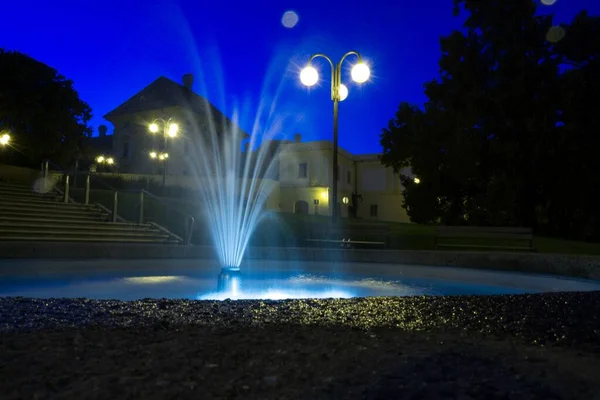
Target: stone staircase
point(29, 216)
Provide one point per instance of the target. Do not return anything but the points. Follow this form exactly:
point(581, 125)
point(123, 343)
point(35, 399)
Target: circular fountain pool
point(199, 279)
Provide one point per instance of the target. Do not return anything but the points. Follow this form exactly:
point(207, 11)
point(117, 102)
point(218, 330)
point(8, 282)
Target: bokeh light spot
point(555, 34)
point(289, 19)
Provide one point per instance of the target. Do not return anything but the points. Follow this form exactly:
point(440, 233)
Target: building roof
point(164, 93)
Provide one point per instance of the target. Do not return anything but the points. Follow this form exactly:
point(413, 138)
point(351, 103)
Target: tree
point(572, 197)
point(41, 109)
point(502, 124)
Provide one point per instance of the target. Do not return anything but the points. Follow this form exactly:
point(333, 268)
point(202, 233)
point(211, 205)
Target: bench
point(351, 236)
point(483, 237)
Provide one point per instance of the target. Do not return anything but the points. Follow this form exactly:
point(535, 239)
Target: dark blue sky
point(112, 49)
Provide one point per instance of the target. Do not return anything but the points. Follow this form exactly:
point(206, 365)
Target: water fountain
point(234, 185)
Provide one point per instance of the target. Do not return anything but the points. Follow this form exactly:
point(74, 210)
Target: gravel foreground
point(544, 346)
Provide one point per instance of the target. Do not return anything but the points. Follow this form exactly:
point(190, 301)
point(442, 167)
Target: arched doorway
point(300, 207)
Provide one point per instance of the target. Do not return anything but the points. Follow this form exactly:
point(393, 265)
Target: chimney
point(188, 81)
point(102, 130)
point(297, 138)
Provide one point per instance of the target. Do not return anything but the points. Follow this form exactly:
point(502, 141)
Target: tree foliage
point(41, 109)
point(509, 133)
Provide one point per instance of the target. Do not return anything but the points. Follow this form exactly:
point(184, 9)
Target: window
point(126, 150)
point(349, 177)
point(302, 170)
point(300, 207)
point(373, 210)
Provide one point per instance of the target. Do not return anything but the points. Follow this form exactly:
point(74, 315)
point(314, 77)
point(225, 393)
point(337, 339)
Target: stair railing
point(46, 164)
point(190, 220)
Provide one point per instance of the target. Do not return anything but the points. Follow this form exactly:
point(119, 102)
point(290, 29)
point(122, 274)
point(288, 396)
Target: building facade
point(302, 170)
point(366, 189)
point(136, 149)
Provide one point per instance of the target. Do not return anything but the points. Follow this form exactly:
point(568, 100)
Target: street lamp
point(170, 130)
point(309, 76)
point(105, 160)
point(4, 139)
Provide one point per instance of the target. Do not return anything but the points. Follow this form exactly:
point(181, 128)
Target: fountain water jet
point(235, 186)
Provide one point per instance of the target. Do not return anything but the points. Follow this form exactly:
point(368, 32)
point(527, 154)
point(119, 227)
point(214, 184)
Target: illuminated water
point(193, 279)
point(237, 170)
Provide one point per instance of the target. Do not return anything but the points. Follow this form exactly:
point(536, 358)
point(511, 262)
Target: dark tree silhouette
point(41, 109)
point(503, 125)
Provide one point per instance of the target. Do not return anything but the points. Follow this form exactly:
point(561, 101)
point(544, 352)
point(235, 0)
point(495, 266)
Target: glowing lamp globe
point(153, 128)
point(360, 73)
point(173, 129)
point(309, 76)
point(343, 92)
point(4, 139)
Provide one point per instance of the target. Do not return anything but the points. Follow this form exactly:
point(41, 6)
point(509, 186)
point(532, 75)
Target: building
point(302, 170)
point(366, 189)
point(164, 100)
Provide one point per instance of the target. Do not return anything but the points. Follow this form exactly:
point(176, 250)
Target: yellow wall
point(378, 185)
point(289, 196)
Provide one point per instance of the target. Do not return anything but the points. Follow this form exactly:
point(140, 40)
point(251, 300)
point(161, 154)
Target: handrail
point(192, 220)
point(84, 173)
point(45, 169)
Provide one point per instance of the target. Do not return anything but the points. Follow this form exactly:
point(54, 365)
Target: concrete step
point(31, 195)
point(4, 232)
point(22, 214)
point(12, 186)
point(108, 239)
point(19, 189)
point(12, 201)
point(75, 227)
point(53, 214)
point(58, 208)
point(66, 221)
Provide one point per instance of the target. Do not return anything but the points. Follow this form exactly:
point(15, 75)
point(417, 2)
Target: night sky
point(112, 49)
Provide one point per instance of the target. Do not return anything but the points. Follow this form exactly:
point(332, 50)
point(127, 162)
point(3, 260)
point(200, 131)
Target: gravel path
point(461, 347)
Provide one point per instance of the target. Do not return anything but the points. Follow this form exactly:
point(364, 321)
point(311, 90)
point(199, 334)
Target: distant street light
point(4, 139)
point(417, 181)
point(170, 130)
point(105, 160)
point(309, 76)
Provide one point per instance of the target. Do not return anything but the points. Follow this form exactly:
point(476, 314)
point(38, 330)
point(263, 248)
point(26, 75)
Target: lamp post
point(4, 139)
point(170, 130)
point(105, 160)
point(309, 76)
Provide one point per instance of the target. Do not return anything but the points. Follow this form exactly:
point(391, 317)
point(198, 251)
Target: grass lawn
point(422, 237)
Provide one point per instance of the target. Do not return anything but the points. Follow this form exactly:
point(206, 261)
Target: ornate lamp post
point(170, 130)
point(309, 76)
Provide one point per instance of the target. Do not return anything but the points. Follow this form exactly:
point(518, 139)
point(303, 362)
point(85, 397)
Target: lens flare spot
point(555, 34)
point(289, 19)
